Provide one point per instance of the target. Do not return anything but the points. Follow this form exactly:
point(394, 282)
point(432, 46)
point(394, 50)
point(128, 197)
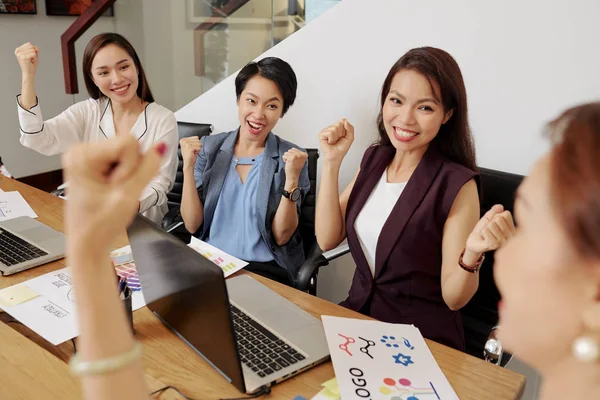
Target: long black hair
point(97, 43)
point(454, 140)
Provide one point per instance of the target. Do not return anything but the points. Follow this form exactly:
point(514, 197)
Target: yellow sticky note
point(332, 386)
point(16, 295)
point(330, 395)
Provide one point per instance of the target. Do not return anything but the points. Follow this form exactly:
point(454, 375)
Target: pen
point(122, 287)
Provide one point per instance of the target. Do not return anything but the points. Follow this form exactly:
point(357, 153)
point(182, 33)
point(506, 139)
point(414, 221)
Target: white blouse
point(369, 222)
point(92, 121)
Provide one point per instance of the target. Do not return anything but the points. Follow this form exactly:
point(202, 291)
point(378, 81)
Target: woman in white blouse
point(120, 104)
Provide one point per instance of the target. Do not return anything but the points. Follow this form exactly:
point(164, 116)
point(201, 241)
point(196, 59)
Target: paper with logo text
point(51, 313)
point(13, 205)
point(228, 263)
point(377, 360)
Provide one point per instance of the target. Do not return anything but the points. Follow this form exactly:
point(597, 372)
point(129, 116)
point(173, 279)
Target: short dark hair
point(454, 140)
point(274, 69)
point(97, 43)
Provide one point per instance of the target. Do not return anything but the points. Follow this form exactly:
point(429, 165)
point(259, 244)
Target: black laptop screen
point(188, 293)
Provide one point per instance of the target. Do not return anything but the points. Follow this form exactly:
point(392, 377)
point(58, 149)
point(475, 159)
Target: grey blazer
point(210, 171)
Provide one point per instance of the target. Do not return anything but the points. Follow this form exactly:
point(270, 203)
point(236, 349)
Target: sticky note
point(122, 259)
point(16, 295)
point(325, 394)
point(332, 386)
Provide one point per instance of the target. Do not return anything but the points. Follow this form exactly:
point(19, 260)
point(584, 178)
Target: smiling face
point(541, 278)
point(114, 72)
point(259, 108)
point(412, 112)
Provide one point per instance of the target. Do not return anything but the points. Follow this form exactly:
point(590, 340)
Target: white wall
point(523, 62)
point(45, 31)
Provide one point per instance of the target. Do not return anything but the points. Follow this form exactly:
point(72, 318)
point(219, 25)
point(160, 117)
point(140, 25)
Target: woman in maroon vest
point(411, 212)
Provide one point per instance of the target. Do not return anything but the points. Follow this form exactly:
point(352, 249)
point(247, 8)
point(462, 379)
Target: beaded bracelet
point(106, 365)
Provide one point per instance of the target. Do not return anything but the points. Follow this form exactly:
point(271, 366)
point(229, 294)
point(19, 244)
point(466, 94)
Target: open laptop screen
point(188, 293)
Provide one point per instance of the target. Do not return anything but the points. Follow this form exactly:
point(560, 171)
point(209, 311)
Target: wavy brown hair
point(575, 175)
point(454, 140)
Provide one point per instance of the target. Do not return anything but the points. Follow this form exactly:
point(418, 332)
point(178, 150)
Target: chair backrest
point(186, 129)
point(481, 314)
point(307, 215)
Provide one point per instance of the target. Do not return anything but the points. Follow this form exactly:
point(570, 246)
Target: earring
point(586, 349)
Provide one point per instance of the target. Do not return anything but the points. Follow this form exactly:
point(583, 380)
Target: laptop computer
point(251, 335)
point(26, 243)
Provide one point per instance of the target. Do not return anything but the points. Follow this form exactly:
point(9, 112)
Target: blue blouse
point(235, 224)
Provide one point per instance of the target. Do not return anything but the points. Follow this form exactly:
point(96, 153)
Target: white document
point(13, 205)
point(229, 264)
point(378, 360)
point(47, 305)
point(52, 313)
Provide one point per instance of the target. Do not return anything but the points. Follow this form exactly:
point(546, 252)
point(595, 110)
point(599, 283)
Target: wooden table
point(170, 361)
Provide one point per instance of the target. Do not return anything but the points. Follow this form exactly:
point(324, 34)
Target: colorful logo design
point(389, 341)
point(402, 359)
point(404, 390)
point(407, 343)
point(365, 348)
point(344, 346)
point(129, 273)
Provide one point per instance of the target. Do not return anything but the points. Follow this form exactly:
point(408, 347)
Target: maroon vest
point(407, 287)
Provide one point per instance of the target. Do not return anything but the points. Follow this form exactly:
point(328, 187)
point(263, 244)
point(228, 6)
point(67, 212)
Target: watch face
point(295, 195)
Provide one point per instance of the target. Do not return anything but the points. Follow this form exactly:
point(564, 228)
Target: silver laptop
point(26, 243)
point(251, 335)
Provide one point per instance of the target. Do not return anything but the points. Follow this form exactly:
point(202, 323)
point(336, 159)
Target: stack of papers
point(377, 360)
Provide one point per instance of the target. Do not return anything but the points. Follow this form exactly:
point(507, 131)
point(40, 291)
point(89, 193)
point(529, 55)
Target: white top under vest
point(369, 222)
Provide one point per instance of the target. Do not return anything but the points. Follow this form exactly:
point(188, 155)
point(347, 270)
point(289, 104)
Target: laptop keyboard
point(14, 250)
point(259, 348)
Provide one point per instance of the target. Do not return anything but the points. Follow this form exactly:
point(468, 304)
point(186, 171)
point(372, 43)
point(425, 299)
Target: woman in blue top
point(245, 187)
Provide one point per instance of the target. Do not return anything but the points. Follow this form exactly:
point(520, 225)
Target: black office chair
point(172, 221)
point(306, 279)
point(480, 315)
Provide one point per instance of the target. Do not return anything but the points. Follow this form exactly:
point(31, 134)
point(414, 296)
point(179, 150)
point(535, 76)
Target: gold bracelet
point(106, 365)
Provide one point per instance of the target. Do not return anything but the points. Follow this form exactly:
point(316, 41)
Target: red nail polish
point(161, 148)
